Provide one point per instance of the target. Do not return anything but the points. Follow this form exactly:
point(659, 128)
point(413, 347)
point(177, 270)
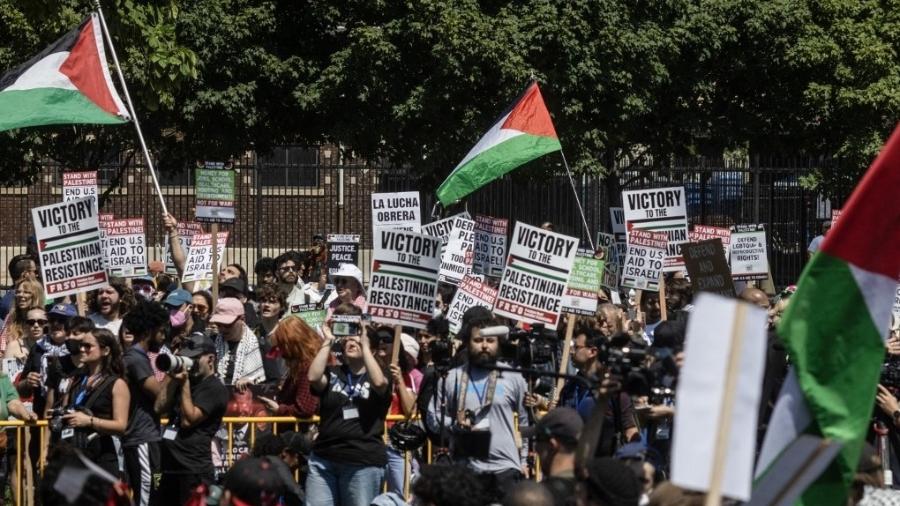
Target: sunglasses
point(341, 281)
point(86, 346)
point(288, 268)
point(32, 323)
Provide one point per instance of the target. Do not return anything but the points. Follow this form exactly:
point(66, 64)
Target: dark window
point(183, 177)
point(290, 166)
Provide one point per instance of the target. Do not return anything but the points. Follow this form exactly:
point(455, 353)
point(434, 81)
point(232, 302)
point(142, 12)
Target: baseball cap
point(297, 442)
point(562, 423)
point(64, 310)
point(410, 345)
point(178, 297)
point(227, 311)
point(255, 481)
point(143, 279)
point(349, 271)
point(237, 284)
point(197, 344)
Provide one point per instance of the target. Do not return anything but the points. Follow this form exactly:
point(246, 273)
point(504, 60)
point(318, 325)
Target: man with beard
point(148, 322)
point(288, 274)
point(480, 408)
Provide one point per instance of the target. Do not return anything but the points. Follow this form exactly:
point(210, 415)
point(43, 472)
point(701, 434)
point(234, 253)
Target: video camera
point(527, 349)
point(643, 371)
point(890, 374)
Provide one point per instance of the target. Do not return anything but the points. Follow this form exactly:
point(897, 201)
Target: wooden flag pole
point(714, 496)
point(564, 359)
point(663, 310)
point(396, 345)
point(215, 263)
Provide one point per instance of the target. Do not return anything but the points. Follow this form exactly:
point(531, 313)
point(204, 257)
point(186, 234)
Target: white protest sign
point(342, 249)
point(79, 185)
point(456, 259)
point(617, 219)
point(644, 260)
point(490, 245)
point(186, 230)
point(896, 309)
point(68, 237)
point(397, 211)
point(126, 247)
point(584, 284)
point(659, 210)
point(535, 277)
point(199, 259)
point(105, 218)
point(441, 228)
point(404, 280)
point(702, 389)
point(749, 259)
point(472, 292)
point(704, 232)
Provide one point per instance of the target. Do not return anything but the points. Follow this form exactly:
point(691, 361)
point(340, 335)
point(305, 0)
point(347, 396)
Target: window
point(290, 166)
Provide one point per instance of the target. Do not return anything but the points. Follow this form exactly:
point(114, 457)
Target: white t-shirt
point(815, 244)
point(101, 322)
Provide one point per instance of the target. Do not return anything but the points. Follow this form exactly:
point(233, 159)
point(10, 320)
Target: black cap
point(255, 481)
point(297, 442)
point(561, 423)
point(235, 284)
point(197, 344)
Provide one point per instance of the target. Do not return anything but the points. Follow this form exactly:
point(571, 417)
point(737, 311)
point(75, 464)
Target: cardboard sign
point(313, 314)
point(404, 280)
point(707, 267)
point(896, 308)
point(104, 219)
point(472, 292)
point(215, 193)
point(396, 211)
point(749, 259)
point(68, 237)
point(79, 185)
point(659, 210)
point(186, 230)
point(835, 214)
point(490, 245)
point(199, 259)
point(617, 220)
point(613, 260)
point(456, 259)
point(536, 274)
point(584, 284)
point(644, 260)
point(704, 233)
point(441, 228)
point(342, 249)
point(126, 247)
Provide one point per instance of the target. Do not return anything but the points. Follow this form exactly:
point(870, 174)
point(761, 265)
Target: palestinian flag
point(66, 83)
point(834, 329)
point(522, 133)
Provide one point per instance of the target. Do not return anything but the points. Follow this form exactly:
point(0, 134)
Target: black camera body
point(639, 376)
point(527, 349)
point(441, 354)
point(55, 419)
point(890, 374)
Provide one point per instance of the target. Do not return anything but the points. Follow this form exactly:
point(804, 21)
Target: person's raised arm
point(318, 381)
point(179, 256)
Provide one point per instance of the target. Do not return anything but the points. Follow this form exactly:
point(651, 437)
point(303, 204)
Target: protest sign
point(704, 233)
point(397, 211)
point(313, 314)
point(456, 259)
point(617, 220)
point(835, 214)
point(104, 219)
point(719, 389)
point(186, 230)
point(896, 309)
point(472, 292)
point(68, 237)
point(659, 210)
point(707, 267)
point(199, 258)
point(441, 228)
point(644, 260)
point(535, 277)
point(126, 247)
point(404, 280)
point(581, 292)
point(79, 185)
point(490, 245)
point(215, 193)
point(749, 259)
point(613, 260)
point(342, 249)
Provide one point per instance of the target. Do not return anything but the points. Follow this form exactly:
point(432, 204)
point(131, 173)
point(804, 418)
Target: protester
point(756, 297)
point(194, 400)
point(348, 281)
point(450, 485)
point(528, 493)
point(271, 309)
point(98, 402)
point(556, 436)
point(36, 323)
point(265, 271)
point(346, 466)
point(10, 405)
point(607, 481)
point(14, 337)
point(318, 291)
point(481, 404)
point(148, 321)
point(816, 243)
point(679, 296)
point(21, 268)
point(179, 305)
point(257, 482)
point(239, 359)
point(236, 287)
point(288, 266)
point(201, 309)
point(143, 287)
point(609, 320)
point(407, 382)
point(233, 271)
point(110, 304)
point(652, 314)
point(297, 343)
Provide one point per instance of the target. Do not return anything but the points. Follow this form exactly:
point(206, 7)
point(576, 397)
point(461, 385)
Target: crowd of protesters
point(139, 386)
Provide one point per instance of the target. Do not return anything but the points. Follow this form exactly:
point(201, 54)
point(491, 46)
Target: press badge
point(351, 413)
point(170, 432)
point(67, 433)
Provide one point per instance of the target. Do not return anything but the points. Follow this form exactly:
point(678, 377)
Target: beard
point(482, 358)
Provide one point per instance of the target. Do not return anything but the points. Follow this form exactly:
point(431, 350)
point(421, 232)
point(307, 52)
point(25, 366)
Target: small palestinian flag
point(69, 82)
point(522, 133)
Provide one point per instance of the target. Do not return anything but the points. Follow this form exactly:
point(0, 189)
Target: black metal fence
point(286, 198)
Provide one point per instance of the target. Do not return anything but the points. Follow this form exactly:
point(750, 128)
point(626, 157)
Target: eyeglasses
point(32, 323)
point(288, 268)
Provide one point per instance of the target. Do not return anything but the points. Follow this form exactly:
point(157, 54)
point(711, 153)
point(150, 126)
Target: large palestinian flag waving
point(68, 82)
point(523, 133)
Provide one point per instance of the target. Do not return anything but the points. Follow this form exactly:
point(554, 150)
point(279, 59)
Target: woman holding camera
point(346, 466)
point(98, 401)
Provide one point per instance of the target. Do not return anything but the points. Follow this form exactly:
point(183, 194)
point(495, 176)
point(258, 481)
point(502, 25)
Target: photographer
point(481, 403)
point(347, 463)
point(194, 400)
point(97, 403)
point(148, 322)
point(886, 417)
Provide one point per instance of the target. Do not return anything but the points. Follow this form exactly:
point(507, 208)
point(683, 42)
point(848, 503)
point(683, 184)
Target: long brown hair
point(112, 363)
point(17, 326)
point(296, 340)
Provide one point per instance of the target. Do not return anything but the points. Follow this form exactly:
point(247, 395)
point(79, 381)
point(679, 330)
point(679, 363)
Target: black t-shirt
point(143, 423)
point(190, 451)
point(352, 440)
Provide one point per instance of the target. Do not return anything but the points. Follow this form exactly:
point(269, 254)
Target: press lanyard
point(82, 392)
point(351, 383)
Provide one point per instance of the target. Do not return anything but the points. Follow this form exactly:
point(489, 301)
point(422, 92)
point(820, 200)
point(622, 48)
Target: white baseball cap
point(350, 271)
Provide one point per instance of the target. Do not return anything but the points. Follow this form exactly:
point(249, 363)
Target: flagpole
point(577, 200)
point(137, 124)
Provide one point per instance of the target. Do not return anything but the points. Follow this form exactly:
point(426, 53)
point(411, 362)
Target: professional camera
point(528, 349)
point(441, 354)
point(169, 363)
point(55, 422)
point(890, 374)
point(642, 371)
